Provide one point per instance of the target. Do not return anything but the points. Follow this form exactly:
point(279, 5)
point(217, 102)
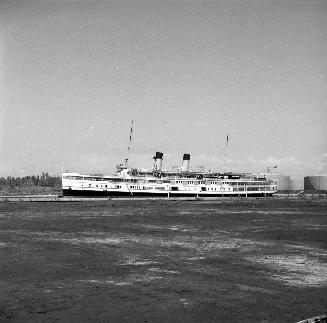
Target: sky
point(74, 74)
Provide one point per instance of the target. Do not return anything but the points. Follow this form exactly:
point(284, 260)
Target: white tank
point(297, 184)
point(283, 181)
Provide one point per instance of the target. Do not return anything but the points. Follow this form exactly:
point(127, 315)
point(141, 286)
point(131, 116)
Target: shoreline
point(58, 198)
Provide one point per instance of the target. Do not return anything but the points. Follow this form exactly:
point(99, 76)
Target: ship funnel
point(186, 163)
point(159, 161)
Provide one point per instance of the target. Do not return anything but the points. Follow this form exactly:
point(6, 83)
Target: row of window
point(214, 189)
point(174, 188)
point(263, 188)
point(115, 180)
point(219, 183)
point(132, 180)
point(73, 177)
point(240, 183)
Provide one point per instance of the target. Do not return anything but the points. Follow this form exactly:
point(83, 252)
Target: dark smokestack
point(159, 155)
point(158, 161)
point(186, 157)
point(186, 162)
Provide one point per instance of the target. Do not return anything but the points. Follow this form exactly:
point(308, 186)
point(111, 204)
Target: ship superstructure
point(157, 182)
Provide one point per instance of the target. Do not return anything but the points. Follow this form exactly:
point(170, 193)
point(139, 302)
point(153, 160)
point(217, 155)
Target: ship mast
point(225, 153)
point(129, 144)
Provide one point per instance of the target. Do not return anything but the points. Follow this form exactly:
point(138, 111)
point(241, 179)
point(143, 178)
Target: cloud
point(267, 162)
point(89, 133)
point(287, 165)
point(294, 166)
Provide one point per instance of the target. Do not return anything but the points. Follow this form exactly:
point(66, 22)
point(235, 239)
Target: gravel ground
point(163, 261)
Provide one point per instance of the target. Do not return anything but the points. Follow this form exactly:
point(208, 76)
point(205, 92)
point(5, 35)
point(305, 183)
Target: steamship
point(156, 182)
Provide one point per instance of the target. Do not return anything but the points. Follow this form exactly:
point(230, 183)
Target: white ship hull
point(135, 186)
point(159, 183)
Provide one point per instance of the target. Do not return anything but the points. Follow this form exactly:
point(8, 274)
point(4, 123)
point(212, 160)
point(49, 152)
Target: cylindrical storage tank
point(315, 183)
point(186, 163)
point(297, 184)
point(283, 181)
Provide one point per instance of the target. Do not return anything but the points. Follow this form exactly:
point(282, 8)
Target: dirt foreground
point(163, 261)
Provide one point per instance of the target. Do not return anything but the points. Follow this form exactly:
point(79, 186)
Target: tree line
point(43, 180)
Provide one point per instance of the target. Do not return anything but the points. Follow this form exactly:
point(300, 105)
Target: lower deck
point(102, 193)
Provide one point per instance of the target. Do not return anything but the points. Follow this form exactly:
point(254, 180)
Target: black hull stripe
point(89, 193)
